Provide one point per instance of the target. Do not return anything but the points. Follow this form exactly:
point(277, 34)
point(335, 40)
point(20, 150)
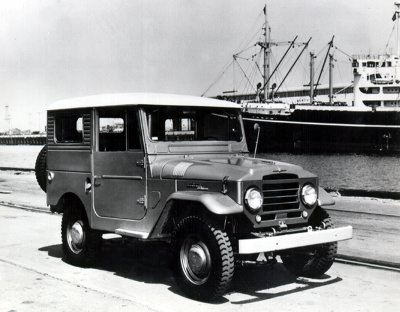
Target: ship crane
point(314, 86)
point(265, 90)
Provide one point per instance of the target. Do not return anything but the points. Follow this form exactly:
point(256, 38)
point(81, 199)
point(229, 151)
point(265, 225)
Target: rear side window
point(69, 128)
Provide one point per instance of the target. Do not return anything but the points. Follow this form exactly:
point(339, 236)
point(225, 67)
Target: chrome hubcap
point(195, 261)
point(76, 236)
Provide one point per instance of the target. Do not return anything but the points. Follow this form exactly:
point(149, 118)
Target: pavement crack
point(148, 308)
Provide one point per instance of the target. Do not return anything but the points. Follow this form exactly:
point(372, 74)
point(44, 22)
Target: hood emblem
point(278, 169)
point(197, 186)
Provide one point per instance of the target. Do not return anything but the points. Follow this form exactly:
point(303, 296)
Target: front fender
point(216, 203)
point(324, 199)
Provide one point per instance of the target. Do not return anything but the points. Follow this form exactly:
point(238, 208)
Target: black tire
point(81, 244)
point(204, 262)
point(312, 261)
point(40, 168)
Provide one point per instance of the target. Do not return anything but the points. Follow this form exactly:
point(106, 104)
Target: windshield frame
point(185, 147)
point(216, 110)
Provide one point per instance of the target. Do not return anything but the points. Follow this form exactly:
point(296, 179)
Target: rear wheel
point(80, 243)
point(204, 259)
point(312, 261)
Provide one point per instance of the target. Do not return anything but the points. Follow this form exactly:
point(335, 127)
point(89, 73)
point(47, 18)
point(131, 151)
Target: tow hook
point(282, 225)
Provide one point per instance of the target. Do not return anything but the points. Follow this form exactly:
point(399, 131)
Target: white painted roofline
point(120, 99)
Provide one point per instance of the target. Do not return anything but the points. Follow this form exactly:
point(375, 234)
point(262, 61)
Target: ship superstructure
point(360, 116)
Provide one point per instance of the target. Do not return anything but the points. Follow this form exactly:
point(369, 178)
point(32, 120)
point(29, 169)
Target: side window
point(112, 131)
point(68, 128)
point(119, 130)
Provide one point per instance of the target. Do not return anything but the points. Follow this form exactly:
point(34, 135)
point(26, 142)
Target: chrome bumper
point(288, 241)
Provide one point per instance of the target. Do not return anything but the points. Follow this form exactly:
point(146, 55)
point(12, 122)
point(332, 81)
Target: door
point(119, 174)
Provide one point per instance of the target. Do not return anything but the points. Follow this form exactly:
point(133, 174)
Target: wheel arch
point(215, 203)
point(324, 199)
point(68, 200)
point(177, 208)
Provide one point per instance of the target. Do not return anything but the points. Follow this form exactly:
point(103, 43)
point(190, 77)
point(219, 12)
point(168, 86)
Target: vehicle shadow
point(54, 251)
point(152, 262)
point(146, 262)
point(265, 282)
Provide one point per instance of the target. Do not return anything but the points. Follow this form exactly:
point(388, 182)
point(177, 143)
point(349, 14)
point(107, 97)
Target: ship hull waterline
point(326, 132)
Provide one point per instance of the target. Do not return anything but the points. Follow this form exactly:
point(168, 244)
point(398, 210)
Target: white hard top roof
point(119, 99)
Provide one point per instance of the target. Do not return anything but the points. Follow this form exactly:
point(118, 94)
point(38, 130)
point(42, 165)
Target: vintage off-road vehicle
point(177, 168)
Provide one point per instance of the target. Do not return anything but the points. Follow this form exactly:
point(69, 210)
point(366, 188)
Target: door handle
point(97, 180)
point(140, 163)
point(141, 200)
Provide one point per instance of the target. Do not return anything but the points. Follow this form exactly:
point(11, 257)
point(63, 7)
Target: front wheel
point(312, 261)
point(204, 259)
point(80, 243)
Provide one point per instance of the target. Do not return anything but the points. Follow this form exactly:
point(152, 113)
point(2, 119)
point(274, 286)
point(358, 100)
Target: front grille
point(280, 195)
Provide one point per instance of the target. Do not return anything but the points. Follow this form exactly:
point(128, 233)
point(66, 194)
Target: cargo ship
point(358, 117)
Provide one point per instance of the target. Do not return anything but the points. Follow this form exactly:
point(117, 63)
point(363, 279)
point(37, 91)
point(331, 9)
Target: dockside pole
point(330, 79)
point(396, 16)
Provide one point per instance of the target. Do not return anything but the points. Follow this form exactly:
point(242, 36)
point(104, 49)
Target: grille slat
point(285, 203)
point(280, 194)
point(279, 190)
point(283, 196)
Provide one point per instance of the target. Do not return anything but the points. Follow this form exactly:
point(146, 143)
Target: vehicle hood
point(237, 168)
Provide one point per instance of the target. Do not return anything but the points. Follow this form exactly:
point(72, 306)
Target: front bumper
point(289, 241)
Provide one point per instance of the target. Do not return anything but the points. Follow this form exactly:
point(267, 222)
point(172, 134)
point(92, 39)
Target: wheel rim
point(76, 236)
point(195, 261)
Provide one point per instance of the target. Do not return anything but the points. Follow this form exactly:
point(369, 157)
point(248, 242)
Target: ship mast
point(266, 55)
point(331, 59)
point(396, 16)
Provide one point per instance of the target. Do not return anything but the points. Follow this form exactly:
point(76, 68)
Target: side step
point(136, 234)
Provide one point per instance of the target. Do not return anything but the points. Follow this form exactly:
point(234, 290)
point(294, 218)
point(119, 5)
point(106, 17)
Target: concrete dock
point(35, 277)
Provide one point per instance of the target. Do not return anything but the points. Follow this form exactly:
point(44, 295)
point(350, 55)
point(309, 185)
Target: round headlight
point(253, 199)
point(309, 195)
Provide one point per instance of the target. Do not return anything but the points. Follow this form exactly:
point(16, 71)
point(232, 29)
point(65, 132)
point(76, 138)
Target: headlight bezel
point(248, 199)
point(308, 187)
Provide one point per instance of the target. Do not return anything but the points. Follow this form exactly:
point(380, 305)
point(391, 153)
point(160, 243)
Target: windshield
point(179, 123)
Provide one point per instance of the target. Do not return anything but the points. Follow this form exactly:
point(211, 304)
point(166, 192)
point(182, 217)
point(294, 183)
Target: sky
point(56, 49)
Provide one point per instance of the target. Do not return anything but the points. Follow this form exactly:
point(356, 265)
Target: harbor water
point(352, 171)
point(336, 171)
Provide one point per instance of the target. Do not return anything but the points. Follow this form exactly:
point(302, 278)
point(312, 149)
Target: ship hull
point(315, 131)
